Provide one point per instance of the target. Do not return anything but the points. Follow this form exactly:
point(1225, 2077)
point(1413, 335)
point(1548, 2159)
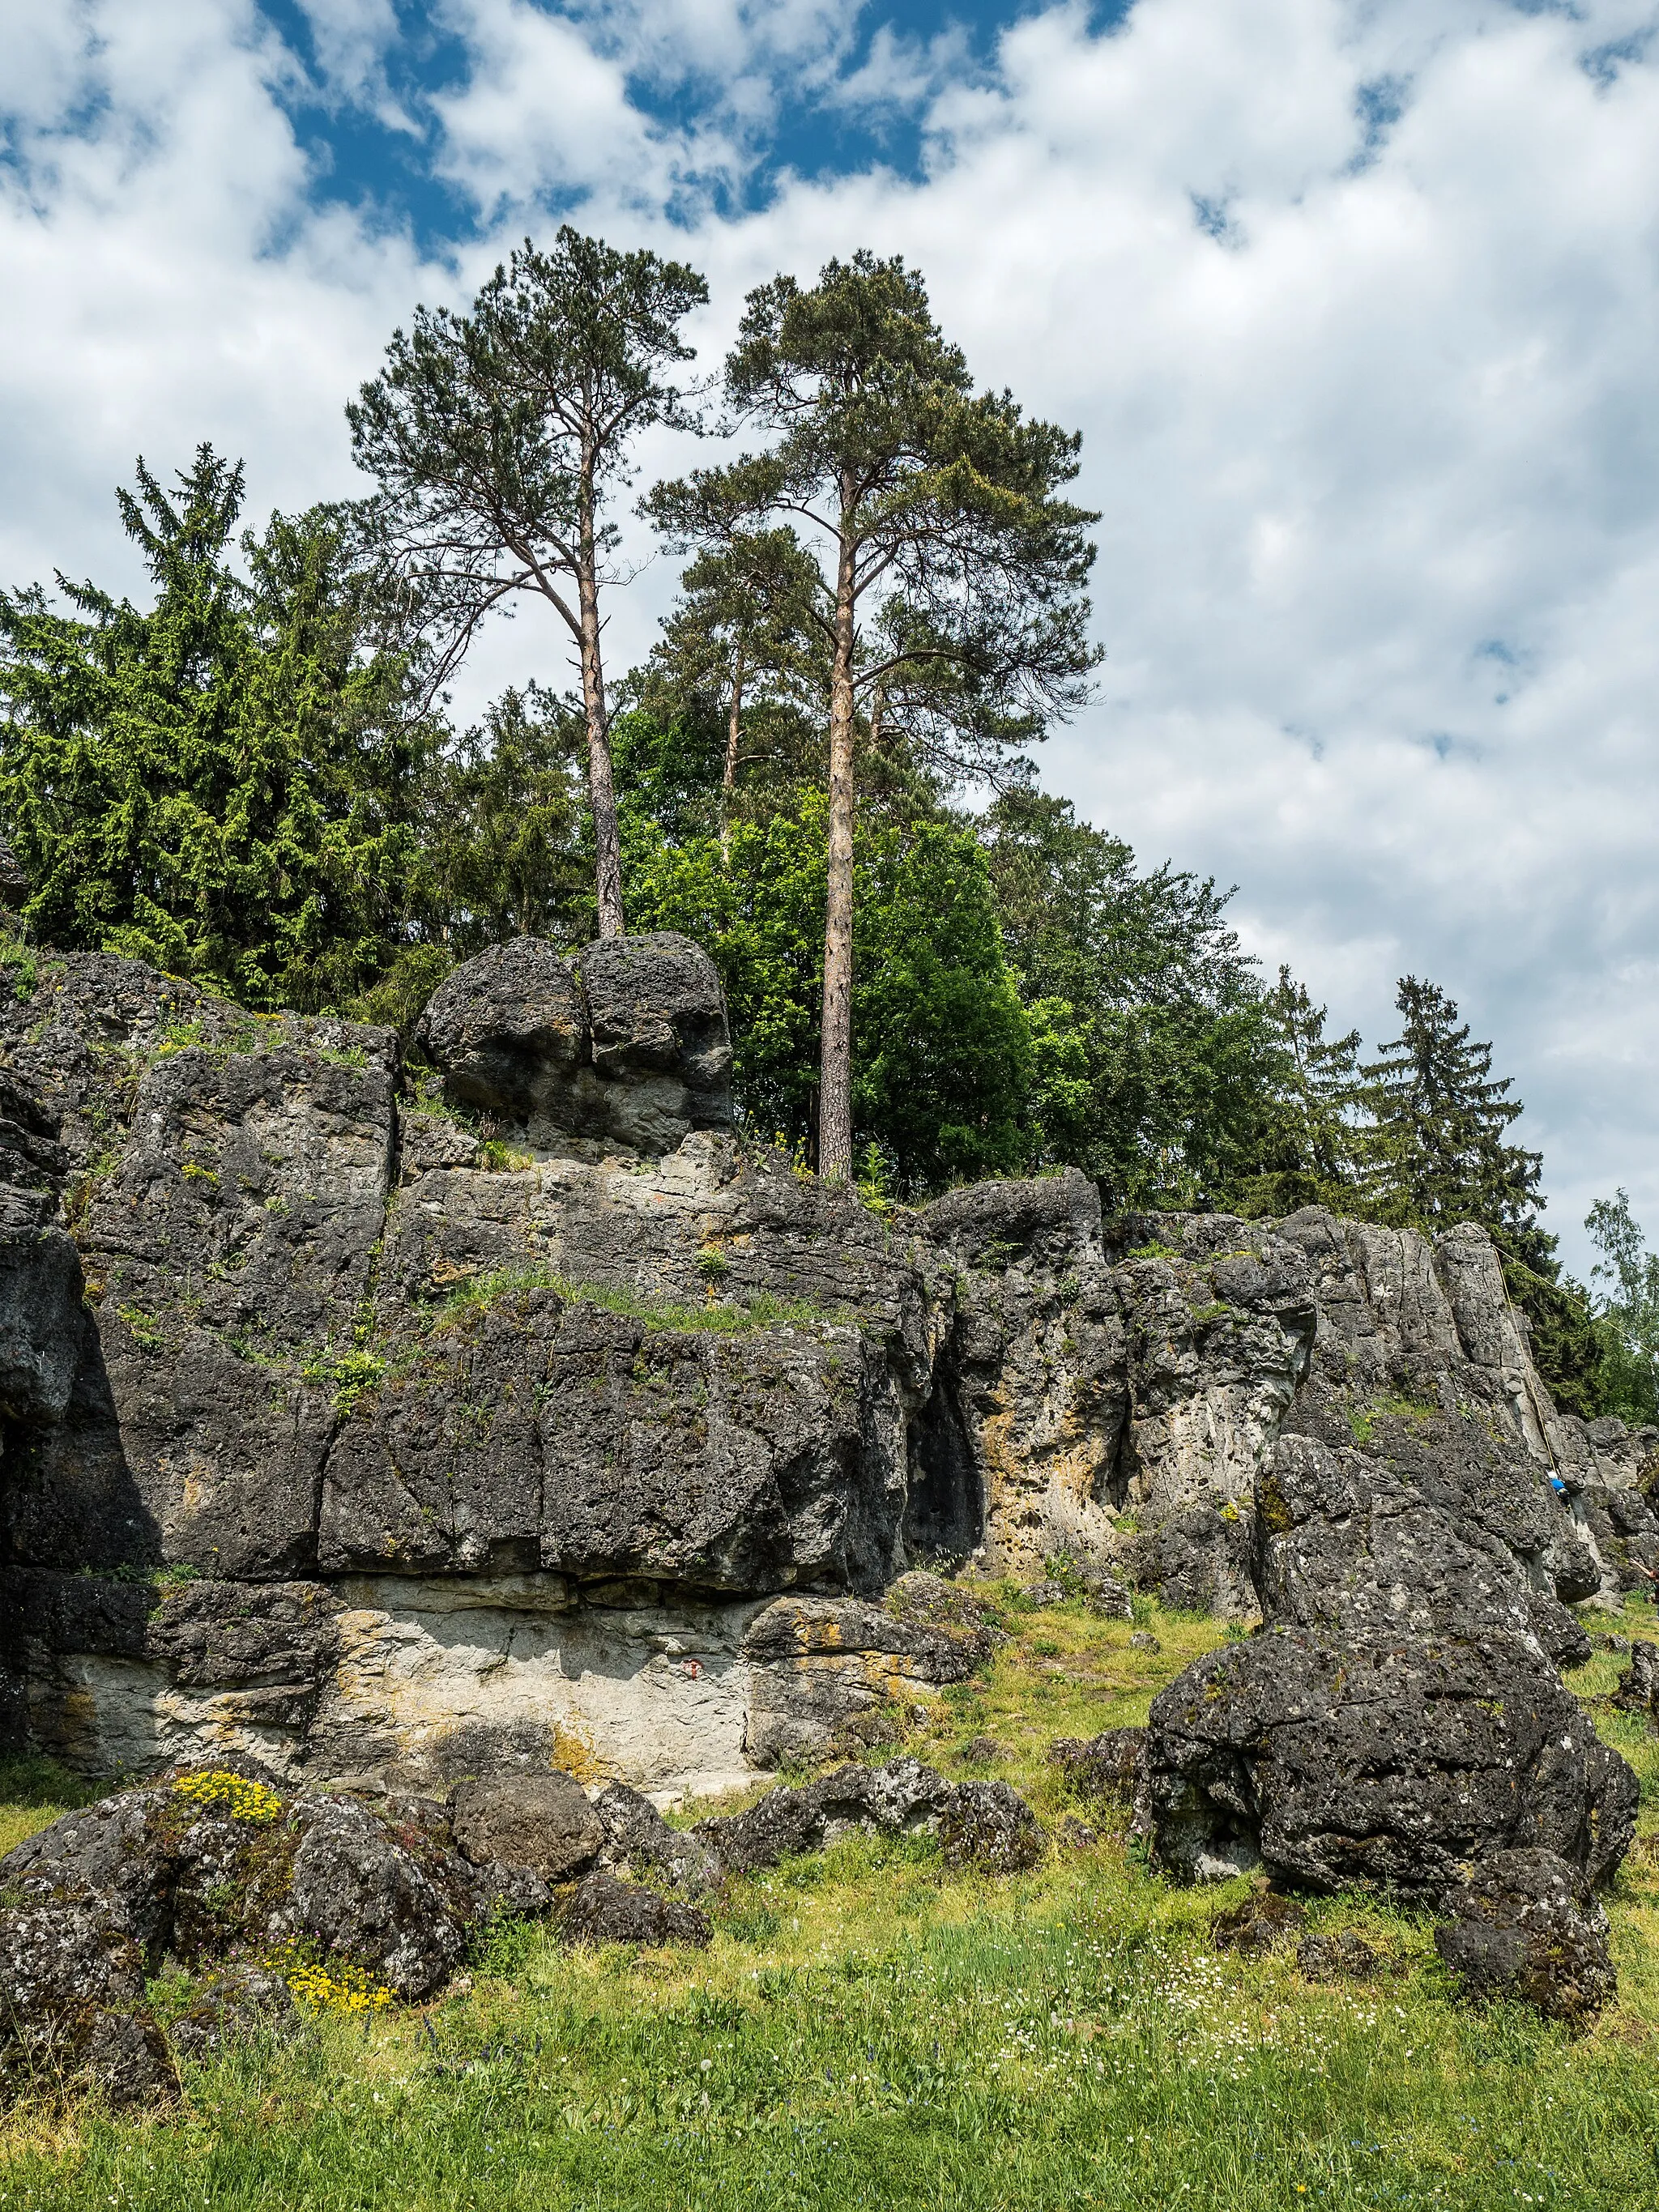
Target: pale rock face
point(389, 1443)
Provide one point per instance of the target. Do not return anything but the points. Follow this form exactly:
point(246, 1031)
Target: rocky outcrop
point(509, 1410)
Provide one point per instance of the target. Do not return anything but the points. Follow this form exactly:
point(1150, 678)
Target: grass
point(866, 2030)
point(710, 1317)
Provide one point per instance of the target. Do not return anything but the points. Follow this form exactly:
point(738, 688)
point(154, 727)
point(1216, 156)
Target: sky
point(1355, 302)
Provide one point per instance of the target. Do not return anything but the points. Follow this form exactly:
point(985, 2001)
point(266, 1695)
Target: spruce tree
point(1436, 1152)
point(1310, 1133)
point(223, 784)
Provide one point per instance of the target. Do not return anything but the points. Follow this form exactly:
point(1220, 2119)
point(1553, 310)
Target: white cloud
point(1356, 305)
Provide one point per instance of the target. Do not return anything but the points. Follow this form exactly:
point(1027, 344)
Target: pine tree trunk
point(601, 786)
point(835, 1082)
point(729, 774)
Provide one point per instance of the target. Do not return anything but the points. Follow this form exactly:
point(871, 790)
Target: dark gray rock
point(627, 1046)
point(542, 1821)
point(1525, 1925)
point(1110, 1764)
point(1640, 1679)
point(1437, 1530)
point(509, 1031)
point(363, 1892)
point(988, 1826)
point(606, 1910)
point(204, 1868)
point(15, 885)
point(639, 1838)
point(983, 1823)
point(1144, 1640)
point(1264, 1922)
point(1341, 1956)
point(120, 1853)
point(242, 2004)
point(903, 1797)
point(982, 1751)
point(660, 1041)
point(73, 2011)
point(1328, 1764)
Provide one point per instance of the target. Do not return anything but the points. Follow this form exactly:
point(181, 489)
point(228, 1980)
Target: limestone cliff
point(407, 1423)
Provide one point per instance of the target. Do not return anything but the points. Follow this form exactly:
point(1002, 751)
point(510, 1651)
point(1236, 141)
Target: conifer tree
point(741, 646)
point(1434, 1152)
point(950, 570)
point(223, 784)
point(497, 438)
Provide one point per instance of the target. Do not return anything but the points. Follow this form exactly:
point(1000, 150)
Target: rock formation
point(508, 1408)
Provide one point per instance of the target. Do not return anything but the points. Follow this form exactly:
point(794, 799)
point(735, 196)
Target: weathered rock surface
point(241, 2004)
point(73, 2009)
point(1266, 1921)
point(397, 1441)
point(1343, 1956)
point(986, 1824)
point(1639, 1682)
point(1402, 1717)
point(1110, 1764)
point(213, 1863)
point(606, 1910)
point(1328, 1764)
point(638, 1838)
point(1523, 1925)
point(626, 1044)
point(819, 1664)
point(542, 1821)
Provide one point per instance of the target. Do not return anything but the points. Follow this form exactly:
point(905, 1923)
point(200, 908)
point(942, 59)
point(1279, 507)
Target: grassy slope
point(866, 2030)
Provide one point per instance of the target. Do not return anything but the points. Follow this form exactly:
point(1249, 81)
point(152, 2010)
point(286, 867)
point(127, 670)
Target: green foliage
point(761, 1309)
point(223, 786)
point(1310, 1131)
point(495, 437)
point(1435, 1152)
point(508, 850)
point(1154, 1060)
point(1626, 1313)
point(498, 439)
point(945, 568)
point(942, 1047)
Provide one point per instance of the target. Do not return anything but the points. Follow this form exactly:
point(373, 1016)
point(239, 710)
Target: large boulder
point(1328, 1762)
point(508, 1030)
point(628, 1045)
point(1437, 1529)
point(542, 1821)
point(1523, 1925)
point(210, 1863)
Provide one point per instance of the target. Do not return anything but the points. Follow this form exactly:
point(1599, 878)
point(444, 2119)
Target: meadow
point(869, 2030)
